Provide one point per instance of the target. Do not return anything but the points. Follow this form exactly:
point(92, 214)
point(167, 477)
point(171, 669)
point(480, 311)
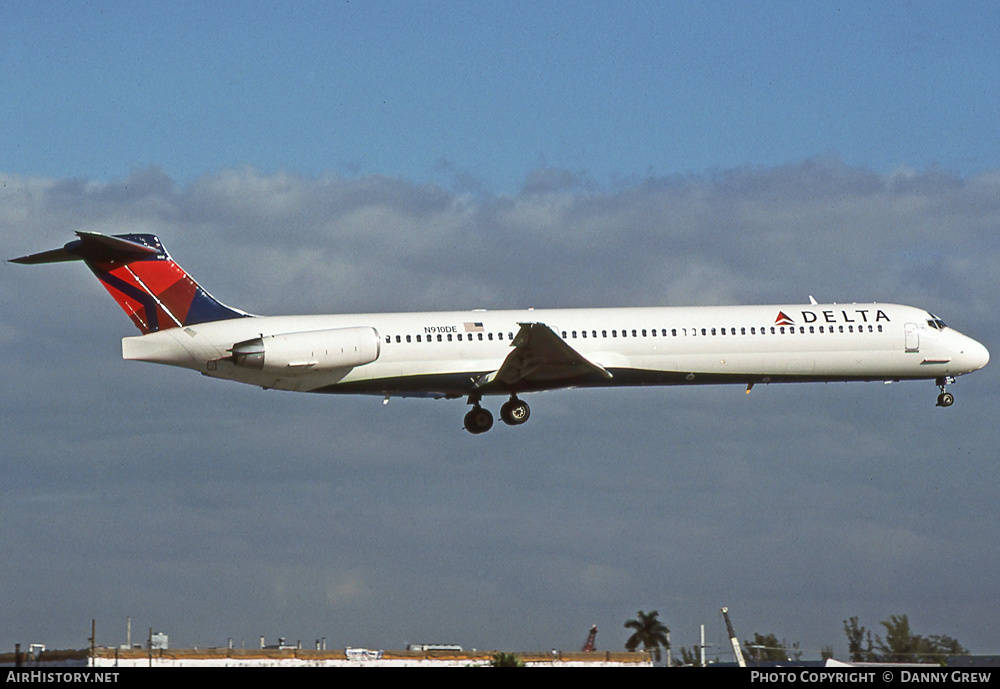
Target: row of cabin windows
point(450, 337)
point(652, 332)
point(693, 332)
point(684, 332)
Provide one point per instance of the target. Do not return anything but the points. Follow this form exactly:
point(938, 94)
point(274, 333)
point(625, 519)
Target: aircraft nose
point(976, 355)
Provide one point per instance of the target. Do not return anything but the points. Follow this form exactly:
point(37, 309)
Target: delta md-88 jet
point(474, 354)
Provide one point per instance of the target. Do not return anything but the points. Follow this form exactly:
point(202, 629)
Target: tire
point(478, 420)
point(515, 412)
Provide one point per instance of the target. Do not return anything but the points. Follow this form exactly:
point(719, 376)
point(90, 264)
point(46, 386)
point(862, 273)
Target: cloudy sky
point(352, 157)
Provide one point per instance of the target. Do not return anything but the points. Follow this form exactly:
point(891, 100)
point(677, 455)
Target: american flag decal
point(474, 327)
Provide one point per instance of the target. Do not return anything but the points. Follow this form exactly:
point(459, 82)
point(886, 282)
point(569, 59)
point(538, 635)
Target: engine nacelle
point(317, 350)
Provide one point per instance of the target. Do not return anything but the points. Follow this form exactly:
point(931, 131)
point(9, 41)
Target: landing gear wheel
point(478, 420)
point(515, 412)
point(945, 399)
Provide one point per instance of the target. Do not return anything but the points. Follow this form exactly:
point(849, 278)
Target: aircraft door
point(912, 337)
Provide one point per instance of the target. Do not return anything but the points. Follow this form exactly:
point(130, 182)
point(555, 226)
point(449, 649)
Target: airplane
point(479, 353)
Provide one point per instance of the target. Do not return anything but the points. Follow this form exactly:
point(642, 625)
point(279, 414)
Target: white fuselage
point(450, 353)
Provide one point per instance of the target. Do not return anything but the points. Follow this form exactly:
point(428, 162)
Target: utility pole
point(701, 649)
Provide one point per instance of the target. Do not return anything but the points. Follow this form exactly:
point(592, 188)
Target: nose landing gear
point(945, 399)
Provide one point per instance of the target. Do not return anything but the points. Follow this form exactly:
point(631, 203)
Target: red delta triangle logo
point(782, 319)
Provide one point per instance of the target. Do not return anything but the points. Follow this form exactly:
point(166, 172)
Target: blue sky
point(429, 90)
point(358, 157)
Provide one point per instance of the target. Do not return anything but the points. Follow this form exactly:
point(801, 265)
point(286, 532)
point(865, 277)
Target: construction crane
point(591, 639)
point(733, 640)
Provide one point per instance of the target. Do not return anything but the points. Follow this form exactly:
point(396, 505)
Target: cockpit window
point(936, 322)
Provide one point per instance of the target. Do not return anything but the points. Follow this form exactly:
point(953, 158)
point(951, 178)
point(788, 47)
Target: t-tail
point(155, 293)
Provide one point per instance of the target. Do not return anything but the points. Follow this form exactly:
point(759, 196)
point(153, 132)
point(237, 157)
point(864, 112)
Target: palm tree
point(502, 659)
point(649, 632)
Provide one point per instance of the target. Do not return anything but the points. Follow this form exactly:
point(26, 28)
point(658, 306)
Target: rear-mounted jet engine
point(318, 350)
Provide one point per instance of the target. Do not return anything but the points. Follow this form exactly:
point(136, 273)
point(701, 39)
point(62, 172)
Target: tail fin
point(156, 293)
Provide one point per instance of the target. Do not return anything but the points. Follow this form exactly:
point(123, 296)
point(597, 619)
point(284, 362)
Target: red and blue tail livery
point(155, 292)
point(474, 354)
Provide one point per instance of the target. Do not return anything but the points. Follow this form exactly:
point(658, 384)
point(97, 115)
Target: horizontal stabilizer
point(94, 247)
point(52, 256)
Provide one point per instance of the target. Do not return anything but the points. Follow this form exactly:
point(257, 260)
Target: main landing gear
point(945, 399)
point(514, 412)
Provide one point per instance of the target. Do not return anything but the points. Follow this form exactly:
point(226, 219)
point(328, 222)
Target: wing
point(540, 355)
